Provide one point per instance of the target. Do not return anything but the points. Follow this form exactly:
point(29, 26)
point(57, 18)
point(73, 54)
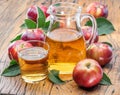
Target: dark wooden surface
point(12, 14)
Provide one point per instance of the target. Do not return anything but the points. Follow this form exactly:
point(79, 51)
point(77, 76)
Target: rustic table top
point(12, 14)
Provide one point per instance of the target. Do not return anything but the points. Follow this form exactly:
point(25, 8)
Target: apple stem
point(88, 65)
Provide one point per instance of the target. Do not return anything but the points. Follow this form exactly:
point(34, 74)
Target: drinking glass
point(33, 55)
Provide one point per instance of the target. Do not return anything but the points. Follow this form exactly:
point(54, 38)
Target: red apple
point(100, 52)
point(44, 9)
point(32, 12)
point(97, 9)
point(33, 34)
point(87, 73)
point(12, 48)
point(87, 32)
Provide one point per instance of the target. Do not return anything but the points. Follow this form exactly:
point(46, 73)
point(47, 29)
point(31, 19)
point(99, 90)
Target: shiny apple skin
point(87, 33)
point(44, 9)
point(100, 52)
point(87, 73)
point(97, 9)
point(32, 12)
point(33, 34)
point(12, 48)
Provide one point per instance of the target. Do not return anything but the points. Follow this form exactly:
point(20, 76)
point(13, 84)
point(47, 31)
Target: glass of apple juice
point(33, 55)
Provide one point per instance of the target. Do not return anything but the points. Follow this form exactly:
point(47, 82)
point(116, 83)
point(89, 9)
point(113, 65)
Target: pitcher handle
point(94, 27)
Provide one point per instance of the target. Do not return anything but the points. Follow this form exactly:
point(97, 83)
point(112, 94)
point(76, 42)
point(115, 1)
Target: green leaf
point(12, 70)
point(13, 62)
point(57, 4)
point(108, 44)
point(30, 24)
point(54, 77)
point(103, 25)
point(105, 80)
point(46, 26)
point(55, 25)
point(23, 26)
point(41, 18)
point(18, 37)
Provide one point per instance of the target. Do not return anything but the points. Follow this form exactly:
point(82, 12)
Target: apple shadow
point(90, 88)
point(108, 66)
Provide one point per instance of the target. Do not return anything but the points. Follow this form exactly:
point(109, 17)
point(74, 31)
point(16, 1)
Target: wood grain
point(12, 14)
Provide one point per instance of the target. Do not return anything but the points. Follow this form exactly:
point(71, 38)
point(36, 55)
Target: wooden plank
point(12, 15)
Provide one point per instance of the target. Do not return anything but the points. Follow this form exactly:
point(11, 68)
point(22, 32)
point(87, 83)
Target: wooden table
point(12, 14)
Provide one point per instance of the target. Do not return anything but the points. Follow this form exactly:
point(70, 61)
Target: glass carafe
point(67, 44)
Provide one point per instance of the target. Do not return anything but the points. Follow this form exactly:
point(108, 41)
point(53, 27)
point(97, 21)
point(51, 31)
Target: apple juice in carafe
point(65, 38)
point(67, 47)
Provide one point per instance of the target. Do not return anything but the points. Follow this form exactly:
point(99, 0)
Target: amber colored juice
point(67, 47)
point(33, 64)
